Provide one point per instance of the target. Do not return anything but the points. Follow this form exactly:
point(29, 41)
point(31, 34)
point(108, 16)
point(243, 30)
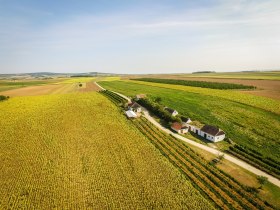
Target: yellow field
point(77, 80)
point(76, 151)
point(43, 90)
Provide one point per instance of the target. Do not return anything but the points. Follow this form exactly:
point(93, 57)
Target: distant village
point(209, 132)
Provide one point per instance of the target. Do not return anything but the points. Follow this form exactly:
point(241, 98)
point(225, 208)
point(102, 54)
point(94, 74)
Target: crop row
point(256, 155)
point(253, 161)
point(186, 170)
point(203, 84)
point(115, 98)
point(229, 192)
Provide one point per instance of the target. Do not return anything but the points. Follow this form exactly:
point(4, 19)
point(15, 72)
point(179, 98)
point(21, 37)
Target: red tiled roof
point(177, 126)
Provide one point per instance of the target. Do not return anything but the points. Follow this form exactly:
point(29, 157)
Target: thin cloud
point(131, 41)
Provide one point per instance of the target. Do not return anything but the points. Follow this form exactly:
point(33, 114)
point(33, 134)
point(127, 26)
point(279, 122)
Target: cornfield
point(77, 151)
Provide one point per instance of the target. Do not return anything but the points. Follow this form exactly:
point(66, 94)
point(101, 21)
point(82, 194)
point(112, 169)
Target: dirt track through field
point(90, 86)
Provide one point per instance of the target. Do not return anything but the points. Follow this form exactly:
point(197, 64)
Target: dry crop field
point(42, 90)
point(48, 87)
point(77, 151)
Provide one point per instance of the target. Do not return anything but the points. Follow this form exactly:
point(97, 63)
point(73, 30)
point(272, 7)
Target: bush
point(3, 98)
point(262, 180)
point(252, 189)
point(158, 110)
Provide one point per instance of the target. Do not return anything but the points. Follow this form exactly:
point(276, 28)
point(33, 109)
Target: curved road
point(206, 148)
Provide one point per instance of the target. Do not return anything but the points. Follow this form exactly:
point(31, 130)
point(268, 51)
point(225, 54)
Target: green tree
point(262, 180)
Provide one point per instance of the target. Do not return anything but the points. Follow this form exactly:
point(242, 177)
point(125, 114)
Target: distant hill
point(52, 74)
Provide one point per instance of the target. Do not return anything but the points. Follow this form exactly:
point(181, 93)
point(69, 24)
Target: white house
point(179, 128)
point(185, 120)
point(134, 107)
point(212, 133)
point(131, 114)
point(173, 112)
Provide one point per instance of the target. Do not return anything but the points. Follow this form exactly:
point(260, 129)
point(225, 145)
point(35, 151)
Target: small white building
point(179, 128)
point(212, 133)
point(173, 112)
point(131, 114)
point(135, 107)
point(185, 120)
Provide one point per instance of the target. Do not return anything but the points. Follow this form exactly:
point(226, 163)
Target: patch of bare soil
point(90, 86)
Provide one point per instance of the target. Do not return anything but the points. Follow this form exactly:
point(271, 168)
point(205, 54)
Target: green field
point(248, 120)
point(78, 151)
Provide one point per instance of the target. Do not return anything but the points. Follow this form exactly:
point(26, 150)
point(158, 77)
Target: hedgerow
point(203, 84)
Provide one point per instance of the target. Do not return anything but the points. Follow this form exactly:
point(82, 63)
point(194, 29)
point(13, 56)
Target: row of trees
point(203, 84)
point(158, 109)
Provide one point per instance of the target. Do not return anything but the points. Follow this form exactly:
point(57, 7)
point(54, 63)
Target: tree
point(262, 180)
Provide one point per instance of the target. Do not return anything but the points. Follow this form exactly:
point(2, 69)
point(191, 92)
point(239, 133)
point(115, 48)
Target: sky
point(139, 36)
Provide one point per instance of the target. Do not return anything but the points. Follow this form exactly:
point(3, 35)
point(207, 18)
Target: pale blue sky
point(147, 36)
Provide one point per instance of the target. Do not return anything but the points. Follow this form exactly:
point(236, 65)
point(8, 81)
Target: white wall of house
point(194, 129)
point(220, 138)
point(174, 113)
point(181, 131)
point(185, 130)
point(211, 138)
point(208, 136)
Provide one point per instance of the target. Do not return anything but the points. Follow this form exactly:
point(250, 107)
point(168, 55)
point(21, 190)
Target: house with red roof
point(179, 128)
